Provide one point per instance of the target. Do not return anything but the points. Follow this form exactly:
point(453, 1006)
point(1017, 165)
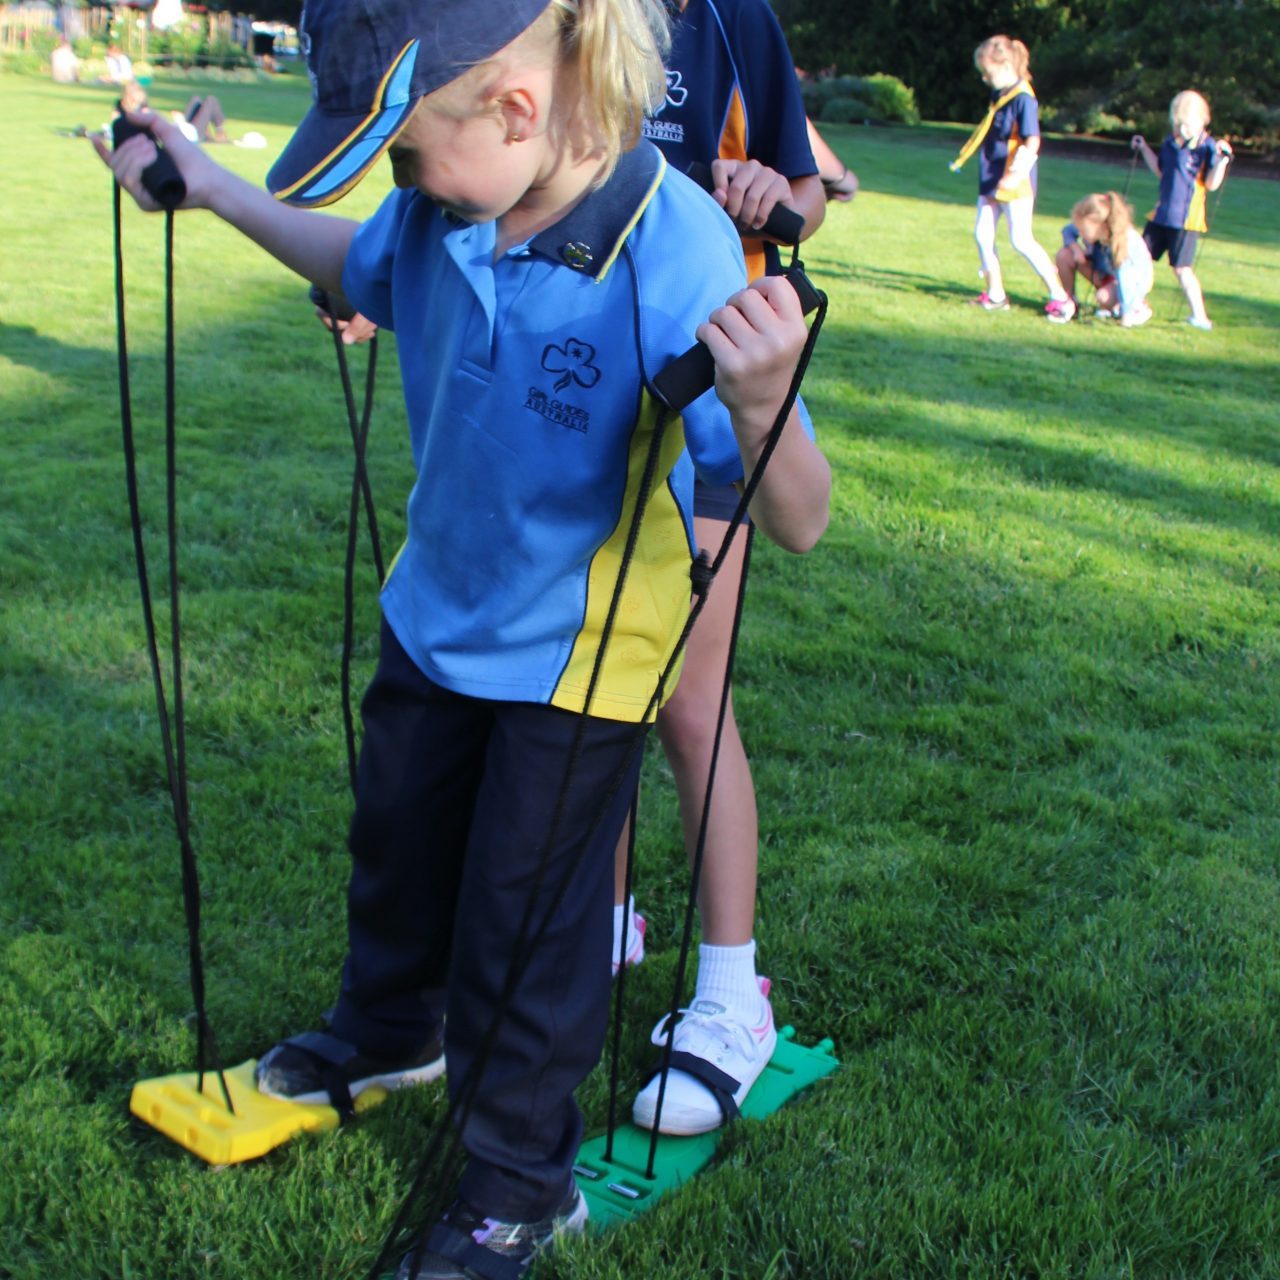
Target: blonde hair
point(132, 96)
point(1187, 106)
point(1001, 51)
point(1112, 210)
point(620, 47)
point(616, 48)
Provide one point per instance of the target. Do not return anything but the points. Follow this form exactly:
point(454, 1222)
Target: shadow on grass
point(25, 345)
point(904, 281)
point(1236, 310)
point(1015, 430)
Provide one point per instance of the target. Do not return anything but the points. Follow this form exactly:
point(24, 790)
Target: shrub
point(847, 111)
point(892, 99)
point(875, 97)
point(179, 45)
point(24, 63)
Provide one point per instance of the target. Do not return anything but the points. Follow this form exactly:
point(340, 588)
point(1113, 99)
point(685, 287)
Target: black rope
point(615, 1051)
point(360, 486)
point(699, 852)
point(174, 758)
point(359, 425)
point(703, 578)
point(1133, 164)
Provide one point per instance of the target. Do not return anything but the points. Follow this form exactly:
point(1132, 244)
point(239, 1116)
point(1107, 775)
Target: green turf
point(1014, 728)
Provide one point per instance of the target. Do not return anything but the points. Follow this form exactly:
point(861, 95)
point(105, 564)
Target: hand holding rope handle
point(694, 372)
point(161, 177)
point(783, 224)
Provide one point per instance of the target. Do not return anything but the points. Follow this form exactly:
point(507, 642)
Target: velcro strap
point(330, 1054)
point(721, 1084)
point(458, 1247)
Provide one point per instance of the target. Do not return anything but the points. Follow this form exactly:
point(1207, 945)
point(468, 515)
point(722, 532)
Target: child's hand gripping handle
point(783, 225)
point(689, 375)
point(161, 178)
point(325, 301)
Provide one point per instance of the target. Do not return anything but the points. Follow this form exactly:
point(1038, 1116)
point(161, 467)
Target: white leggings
point(1021, 238)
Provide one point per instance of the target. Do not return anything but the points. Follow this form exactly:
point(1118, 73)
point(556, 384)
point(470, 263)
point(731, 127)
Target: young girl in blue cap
point(539, 269)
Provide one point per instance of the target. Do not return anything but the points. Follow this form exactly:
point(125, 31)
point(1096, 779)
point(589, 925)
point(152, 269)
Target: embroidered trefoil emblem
point(572, 362)
point(677, 92)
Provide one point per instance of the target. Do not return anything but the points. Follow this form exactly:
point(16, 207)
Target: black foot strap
point(330, 1055)
point(721, 1084)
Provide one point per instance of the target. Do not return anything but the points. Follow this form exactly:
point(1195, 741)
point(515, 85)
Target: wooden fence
point(21, 26)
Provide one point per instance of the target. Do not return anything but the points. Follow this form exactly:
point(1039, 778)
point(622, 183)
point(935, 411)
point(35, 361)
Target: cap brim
point(328, 155)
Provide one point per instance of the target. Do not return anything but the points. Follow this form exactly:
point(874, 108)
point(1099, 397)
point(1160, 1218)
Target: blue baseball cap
point(370, 61)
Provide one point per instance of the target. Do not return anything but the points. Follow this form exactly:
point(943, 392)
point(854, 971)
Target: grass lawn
point(1014, 727)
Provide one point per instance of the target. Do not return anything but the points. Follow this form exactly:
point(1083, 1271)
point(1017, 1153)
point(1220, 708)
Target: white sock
point(624, 918)
point(727, 975)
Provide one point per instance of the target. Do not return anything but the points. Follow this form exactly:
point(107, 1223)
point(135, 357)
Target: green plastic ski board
point(617, 1190)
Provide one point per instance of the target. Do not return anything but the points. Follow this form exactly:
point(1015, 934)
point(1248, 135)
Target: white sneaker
point(732, 1052)
point(635, 944)
point(1060, 310)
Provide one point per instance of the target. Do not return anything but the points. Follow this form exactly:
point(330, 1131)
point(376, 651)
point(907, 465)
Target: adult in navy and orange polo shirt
point(732, 94)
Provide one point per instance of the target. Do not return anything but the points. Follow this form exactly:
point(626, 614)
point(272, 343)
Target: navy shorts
point(1180, 244)
point(716, 502)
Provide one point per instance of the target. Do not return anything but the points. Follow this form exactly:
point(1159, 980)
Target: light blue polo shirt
point(527, 385)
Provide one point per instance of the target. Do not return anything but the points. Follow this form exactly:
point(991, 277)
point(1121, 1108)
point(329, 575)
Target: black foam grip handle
point(332, 303)
point(783, 225)
point(161, 177)
point(689, 375)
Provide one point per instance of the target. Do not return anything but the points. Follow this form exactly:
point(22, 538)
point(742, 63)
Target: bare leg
point(1066, 264)
point(209, 120)
point(1191, 287)
point(686, 726)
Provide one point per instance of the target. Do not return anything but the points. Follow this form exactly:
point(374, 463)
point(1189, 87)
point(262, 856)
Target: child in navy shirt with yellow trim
point(1007, 143)
point(1189, 166)
point(540, 265)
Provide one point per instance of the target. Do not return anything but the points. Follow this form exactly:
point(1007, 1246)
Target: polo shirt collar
point(589, 238)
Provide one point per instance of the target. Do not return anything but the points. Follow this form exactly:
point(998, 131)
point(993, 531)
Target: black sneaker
point(317, 1067)
point(465, 1245)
